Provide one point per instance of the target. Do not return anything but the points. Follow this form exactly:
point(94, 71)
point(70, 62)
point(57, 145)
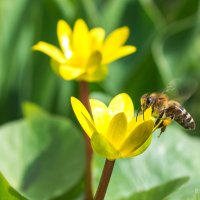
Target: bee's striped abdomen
point(182, 116)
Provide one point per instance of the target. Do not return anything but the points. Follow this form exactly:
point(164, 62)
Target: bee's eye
point(149, 101)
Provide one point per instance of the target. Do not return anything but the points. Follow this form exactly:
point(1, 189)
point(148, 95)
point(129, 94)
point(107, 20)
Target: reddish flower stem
point(84, 97)
point(105, 178)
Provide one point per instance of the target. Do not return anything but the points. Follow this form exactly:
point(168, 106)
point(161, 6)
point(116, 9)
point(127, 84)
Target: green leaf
point(169, 157)
point(42, 157)
point(77, 192)
point(160, 192)
point(32, 110)
point(7, 192)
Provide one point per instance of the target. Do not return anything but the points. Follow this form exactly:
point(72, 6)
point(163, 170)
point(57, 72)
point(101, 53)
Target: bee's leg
point(152, 107)
point(173, 117)
point(165, 123)
point(159, 119)
point(162, 130)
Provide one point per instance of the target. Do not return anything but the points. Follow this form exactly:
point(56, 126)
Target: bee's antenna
point(143, 114)
point(152, 108)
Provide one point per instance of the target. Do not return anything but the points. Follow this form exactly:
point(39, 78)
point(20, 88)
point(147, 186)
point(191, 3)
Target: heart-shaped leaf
point(42, 156)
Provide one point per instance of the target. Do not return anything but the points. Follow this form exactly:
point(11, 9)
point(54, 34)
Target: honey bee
point(166, 110)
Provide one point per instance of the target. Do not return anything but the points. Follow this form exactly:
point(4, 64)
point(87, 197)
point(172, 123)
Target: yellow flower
point(113, 130)
point(85, 53)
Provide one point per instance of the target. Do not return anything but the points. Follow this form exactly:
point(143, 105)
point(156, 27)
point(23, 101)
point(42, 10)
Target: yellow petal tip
point(74, 100)
point(35, 47)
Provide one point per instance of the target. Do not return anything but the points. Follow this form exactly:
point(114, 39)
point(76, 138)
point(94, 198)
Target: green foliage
point(7, 192)
point(160, 192)
point(42, 156)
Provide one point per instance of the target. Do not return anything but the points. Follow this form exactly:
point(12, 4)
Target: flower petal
point(97, 36)
point(94, 60)
point(117, 130)
point(142, 148)
point(98, 74)
point(119, 53)
point(115, 39)
point(64, 33)
point(100, 115)
point(81, 40)
point(132, 124)
point(83, 117)
point(122, 103)
point(51, 50)
point(103, 147)
point(69, 72)
point(137, 138)
point(94, 70)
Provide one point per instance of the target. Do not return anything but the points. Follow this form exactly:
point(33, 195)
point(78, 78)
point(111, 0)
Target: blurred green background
point(41, 154)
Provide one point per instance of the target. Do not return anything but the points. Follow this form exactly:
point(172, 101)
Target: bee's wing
point(181, 89)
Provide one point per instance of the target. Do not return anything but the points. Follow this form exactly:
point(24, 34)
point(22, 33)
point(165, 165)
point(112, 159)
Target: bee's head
point(146, 101)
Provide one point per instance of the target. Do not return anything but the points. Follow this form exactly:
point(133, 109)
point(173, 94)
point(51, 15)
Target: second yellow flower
point(85, 53)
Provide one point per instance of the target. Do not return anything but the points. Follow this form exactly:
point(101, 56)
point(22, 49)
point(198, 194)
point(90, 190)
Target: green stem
point(105, 178)
point(84, 97)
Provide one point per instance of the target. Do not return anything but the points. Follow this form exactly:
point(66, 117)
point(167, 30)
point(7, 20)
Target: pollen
point(167, 121)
